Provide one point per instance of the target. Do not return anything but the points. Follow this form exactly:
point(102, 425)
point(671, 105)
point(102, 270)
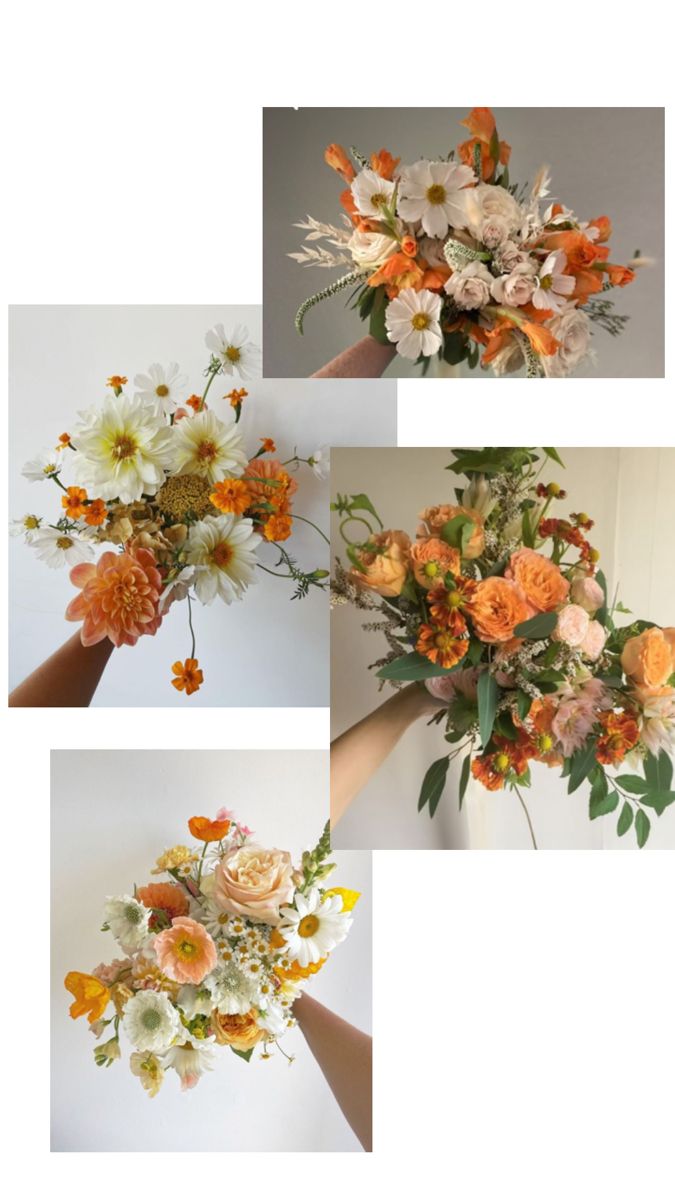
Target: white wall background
point(113, 812)
point(630, 494)
point(262, 651)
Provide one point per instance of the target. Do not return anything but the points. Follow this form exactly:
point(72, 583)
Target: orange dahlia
point(119, 597)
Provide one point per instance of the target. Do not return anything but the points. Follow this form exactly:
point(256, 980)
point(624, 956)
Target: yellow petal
point(348, 898)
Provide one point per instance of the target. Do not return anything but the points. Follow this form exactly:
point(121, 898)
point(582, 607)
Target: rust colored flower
point(268, 445)
point(91, 996)
point(440, 646)
point(231, 496)
point(620, 733)
point(64, 440)
point(236, 397)
point(278, 528)
point(337, 158)
point(169, 898)
point(507, 758)
point(196, 403)
point(483, 128)
point(208, 831)
point(119, 597)
point(95, 513)
point(189, 678)
point(117, 382)
point(446, 604)
point(74, 502)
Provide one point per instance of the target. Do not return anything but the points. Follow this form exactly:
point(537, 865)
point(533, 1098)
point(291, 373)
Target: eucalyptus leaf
point(625, 819)
point(464, 778)
point(541, 626)
point(488, 694)
point(433, 785)
point(642, 827)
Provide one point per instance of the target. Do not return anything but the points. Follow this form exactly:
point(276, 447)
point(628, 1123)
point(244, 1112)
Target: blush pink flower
point(587, 593)
point(186, 952)
point(119, 597)
point(572, 724)
point(572, 627)
point(461, 683)
point(594, 642)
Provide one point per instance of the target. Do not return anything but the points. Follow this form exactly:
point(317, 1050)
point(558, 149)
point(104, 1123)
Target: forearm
point(345, 1055)
point(357, 753)
point(366, 359)
point(66, 680)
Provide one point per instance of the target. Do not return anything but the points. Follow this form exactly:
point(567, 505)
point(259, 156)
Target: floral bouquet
point(215, 957)
point(174, 490)
point(500, 610)
point(448, 257)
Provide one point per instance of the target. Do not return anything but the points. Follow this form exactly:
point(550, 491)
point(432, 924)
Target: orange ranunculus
point(384, 164)
point(649, 658)
point(236, 1029)
point(384, 565)
point(231, 496)
point(430, 558)
point(169, 897)
point(482, 126)
point(119, 597)
point(507, 757)
point(278, 527)
point(440, 645)
point(497, 606)
point(91, 996)
point(398, 272)
point(436, 517)
point(337, 158)
point(539, 578)
point(189, 678)
point(619, 276)
point(541, 340)
point(208, 831)
point(620, 734)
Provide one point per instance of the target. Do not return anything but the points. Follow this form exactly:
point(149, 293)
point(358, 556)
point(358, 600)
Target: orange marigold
point(119, 597)
point(278, 528)
point(117, 381)
point(236, 396)
point(268, 445)
point(189, 678)
point(620, 734)
point(95, 513)
point(231, 496)
point(74, 502)
point(440, 645)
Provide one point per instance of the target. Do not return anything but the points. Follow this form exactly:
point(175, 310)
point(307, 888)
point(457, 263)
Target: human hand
point(366, 359)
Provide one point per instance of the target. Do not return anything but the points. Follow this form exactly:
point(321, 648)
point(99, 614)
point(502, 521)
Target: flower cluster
point(503, 613)
point(174, 489)
point(450, 258)
point(216, 956)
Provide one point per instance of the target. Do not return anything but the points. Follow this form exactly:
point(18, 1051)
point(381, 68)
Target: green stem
point(212, 376)
point(201, 865)
point(296, 517)
point(529, 822)
point(189, 603)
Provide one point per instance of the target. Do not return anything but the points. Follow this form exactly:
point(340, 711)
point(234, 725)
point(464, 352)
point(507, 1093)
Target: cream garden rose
point(573, 330)
point(488, 208)
point(516, 288)
point(253, 882)
point(572, 627)
point(470, 287)
point(371, 249)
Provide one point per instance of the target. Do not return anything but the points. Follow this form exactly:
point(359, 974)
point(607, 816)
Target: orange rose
point(540, 580)
point(498, 605)
point(431, 558)
point(384, 569)
point(236, 1029)
point(338, 159)
point(649, 658)
point(435, 518)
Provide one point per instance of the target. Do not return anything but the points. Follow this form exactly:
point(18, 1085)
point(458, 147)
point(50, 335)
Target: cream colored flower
point(204, 446)
point(123, 449)
point(370, 250)
point(222, 551)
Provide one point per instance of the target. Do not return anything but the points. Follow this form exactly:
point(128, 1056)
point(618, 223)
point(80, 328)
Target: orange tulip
point(208, 831)
point(339, 160)
point(91, 996)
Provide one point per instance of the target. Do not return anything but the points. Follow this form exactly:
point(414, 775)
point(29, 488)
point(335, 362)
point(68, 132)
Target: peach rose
point(252, 882)
point(539, 578)
point(594, 642)
point(435, 518)
point(384, 570)
point(236, 1029)
point(649, 658)
point(587, 592)
point(572, 627)
point(430, 558)
point(498, 605)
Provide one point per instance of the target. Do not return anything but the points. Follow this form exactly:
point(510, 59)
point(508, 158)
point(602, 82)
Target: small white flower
point(195, 1001)
point(204, 445)
point(222, 549)
point(176, 590)
point(162, 385)
point(553, 286)
point(235, 351)
point(431, 192)
point(190, 1060)
point(128, 921)
point(314, 926)
point(413, 322)
point(151, 1022)
point(44, 466)
point(319, 461)
point(371, 193)
point(27, 525)
point(60, 547)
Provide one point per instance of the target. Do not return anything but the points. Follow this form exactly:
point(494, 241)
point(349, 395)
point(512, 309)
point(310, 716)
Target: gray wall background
point(603, 161)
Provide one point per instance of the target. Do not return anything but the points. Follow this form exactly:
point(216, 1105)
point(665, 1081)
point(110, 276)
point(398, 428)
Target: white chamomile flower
point(413, 322)
point(552, 286)
point(314, 926)
point(371, 192)
point(234, 351)
point(162, 385)
point(319, 461)
point(128, 921)
point(232, 990)
point(222, 549)
point(60, 547)
point(431, 192)
point(203, 445)
point(123, 449)
point(195, 1001)
point(27, 525)
point(190, 1060)
point(214, 920)
point(151, 1022)
point(44, 466)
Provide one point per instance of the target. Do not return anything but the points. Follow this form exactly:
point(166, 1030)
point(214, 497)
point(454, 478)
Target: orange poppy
point(91, 996)
point(208, 831)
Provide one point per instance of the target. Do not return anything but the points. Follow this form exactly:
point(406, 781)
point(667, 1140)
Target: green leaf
point(410, 667)
point(528, 532)
point(455, 348)
point(458, 531)
point(659, 801)
point(658, 772)
point(625, 819)
point(362, 503)
point(551, 452)
point(488, 694)
point(524, 703)
point(642, 827)
point(583, 762)
point(377, 327)
point(475, 652)
point(464, 778)
point(601, 614)
point(245, 1054)
point(433, 785)
point(634, 784)
point(601, 800)
point(537, 627)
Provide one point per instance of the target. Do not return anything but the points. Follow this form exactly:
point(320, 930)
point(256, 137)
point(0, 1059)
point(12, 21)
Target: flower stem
point(529, 822)
point(308, 522)
point(192, 632)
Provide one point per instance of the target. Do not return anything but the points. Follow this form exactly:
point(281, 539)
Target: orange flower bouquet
point(214, 957)
point(172, 487)
point(449, 258)
point(500, 610)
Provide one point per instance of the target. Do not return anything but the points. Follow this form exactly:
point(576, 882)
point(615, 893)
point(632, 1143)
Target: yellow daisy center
point(233, 354)
point(378, 199)
point(545, 743)
point(221, 556)
point(32, 523)
point(436, 194)
point(162, 390)
point(454, 600)
point(64, 542)
point(308, 926)
point(420, 321)
point(49, 469)
point(502, 763)
point(431, 569)
point(124, 447)
point(546, 282)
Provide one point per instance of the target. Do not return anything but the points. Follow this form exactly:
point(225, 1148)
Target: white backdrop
point(630, 493)
point(265, 650)
point(113, 813)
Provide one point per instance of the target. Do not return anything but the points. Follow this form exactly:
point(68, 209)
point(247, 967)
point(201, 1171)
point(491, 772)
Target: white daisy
point(552, 286)
point(60, 548)
point(223, 550)
point(371, 192)
point(214, 920)
point(319, 461)
point(431, 192)
point(128, 921)
point(123, 449)
point(44, 466)
point(195, 1001)
point(232, 990)
point(274, 1019)
point(235, 351)
point(190, 1060)
point(314, 926)
point(151, 1022)
point(203, 445)
point(162, 385)
point(28, 525)
point(413, 322)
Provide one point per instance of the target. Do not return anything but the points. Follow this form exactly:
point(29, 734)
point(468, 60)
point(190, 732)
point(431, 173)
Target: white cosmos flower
point(319, 461)
point(128, 920)
point(274, 1019)
point(162, 385)
point(151, 1022)
point(190, 1060)
point(195, 1001)
point(44, 466)
point(60, 547)
point(223, 550)
point(412, 321)
point(552, 285)
point(28, 525)
point(123, 449)
point(204, 445)
point(371, 192)
point(232, 990)
point(314, 926)
point(431, 192)
point(235, 351)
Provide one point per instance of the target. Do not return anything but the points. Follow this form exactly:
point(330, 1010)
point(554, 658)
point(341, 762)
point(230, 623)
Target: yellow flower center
point(233, 354)
point(207, 451)
point(49, 469)
point(64, 542)
point(431, 569)
point(162, 390)
point(454, 600)
point(443, 641)
point(125, 447)
point(308, 926)
point(186, 950)
point(545, 743)
point(378, 199)
point(436, 194)
point(502, 763)
point(546, 282)
point(32, 523)
point(420, 321)
point(222, 554)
